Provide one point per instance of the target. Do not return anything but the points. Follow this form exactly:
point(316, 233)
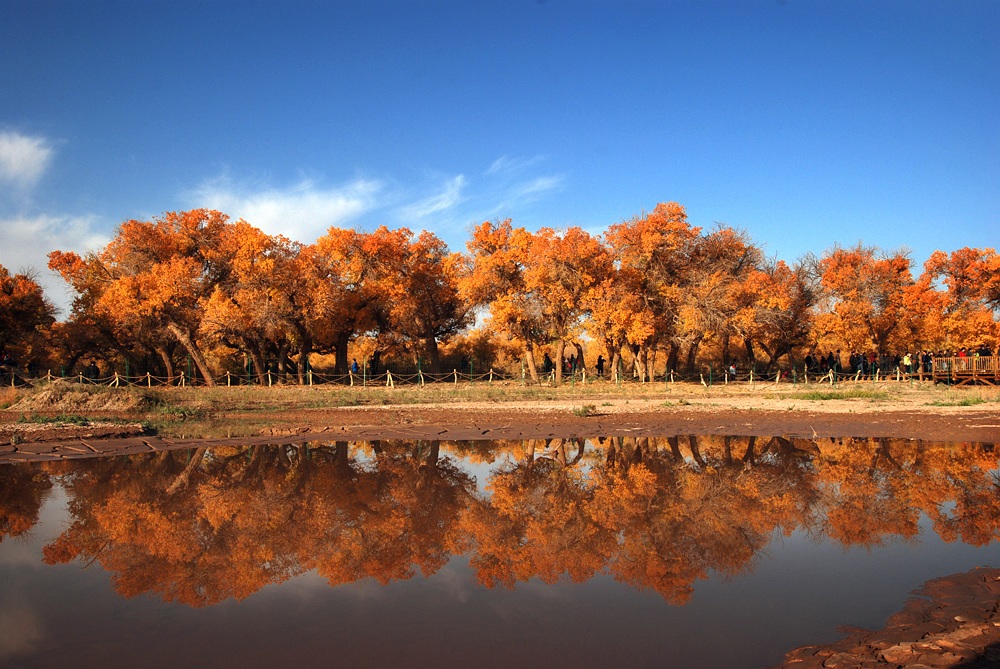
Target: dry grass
point(247, 410)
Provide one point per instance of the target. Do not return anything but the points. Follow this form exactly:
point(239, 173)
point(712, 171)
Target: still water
point(647, 552)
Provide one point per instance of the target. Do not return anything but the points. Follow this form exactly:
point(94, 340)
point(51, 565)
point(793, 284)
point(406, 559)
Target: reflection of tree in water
point(877, 488)
point(21, 490)
point(243, 518)
point(534, 523)
point(383, 518)
point(649, 515)
point(657, 513)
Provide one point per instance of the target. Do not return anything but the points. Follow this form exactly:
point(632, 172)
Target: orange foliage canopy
point(23, 311)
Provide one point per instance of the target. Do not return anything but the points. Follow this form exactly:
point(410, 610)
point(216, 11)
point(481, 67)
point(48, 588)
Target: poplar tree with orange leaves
point(24, 311)
point(656, 252)
point(971, 301)
point(495, 276)
point(559, 271)
point(154, 275)
point(253, 308)
point(867, 293)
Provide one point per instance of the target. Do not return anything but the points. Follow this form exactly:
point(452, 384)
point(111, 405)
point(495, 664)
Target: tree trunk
point(192, 348)
point(673, 350)
point(305, 348)
point(529, 360)
point(675, 449)
point(433, 355)
point(748, 457)
point(340, 364)
point(283, 359)
point(634, 350)
point(692, 354)
point(258, 366)
point(560, 350)
point(182, 479)
point(613, 445)
point(579, 356)
point(640, 363)
point(725, 350)
point(433, 454)
point(168, 363)
point(341, 456)
point(614, 357)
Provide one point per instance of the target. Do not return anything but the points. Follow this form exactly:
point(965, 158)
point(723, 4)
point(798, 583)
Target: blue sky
point(805, 122)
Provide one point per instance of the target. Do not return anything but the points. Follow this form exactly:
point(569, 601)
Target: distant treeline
point(652, 293)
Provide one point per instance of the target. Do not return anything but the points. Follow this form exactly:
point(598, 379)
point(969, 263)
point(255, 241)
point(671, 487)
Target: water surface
point(690, 552)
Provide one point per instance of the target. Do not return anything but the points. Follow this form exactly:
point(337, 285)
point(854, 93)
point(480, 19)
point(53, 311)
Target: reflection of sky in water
point(797, 591)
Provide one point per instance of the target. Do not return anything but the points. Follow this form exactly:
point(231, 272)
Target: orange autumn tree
point(617, 314)
point(154, 275)
point(721, 263)
point(253, 309)
point(775, 309)
point(971, 301)
point(424, 306)
point(495, 276)
point(90, 332)
point(560, 270)
point(24, 310)
point(339, 272)
point(867, 298)
point(656, 251)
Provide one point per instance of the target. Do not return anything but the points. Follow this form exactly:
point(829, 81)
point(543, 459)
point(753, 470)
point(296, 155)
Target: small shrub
point(964, 402)
point(850, 394)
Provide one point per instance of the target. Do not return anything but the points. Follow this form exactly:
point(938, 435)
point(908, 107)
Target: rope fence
point(949, 370)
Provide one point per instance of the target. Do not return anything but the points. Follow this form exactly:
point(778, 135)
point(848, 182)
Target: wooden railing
point(966, 369)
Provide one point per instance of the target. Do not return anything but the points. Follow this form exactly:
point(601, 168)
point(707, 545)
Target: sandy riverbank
point(33, 425)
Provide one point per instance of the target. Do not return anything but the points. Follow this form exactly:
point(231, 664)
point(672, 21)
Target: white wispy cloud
point(506, 164)
point(29, 239)
point(448, 198)
point(539, 185)
point(23, 159)
point(302, 212)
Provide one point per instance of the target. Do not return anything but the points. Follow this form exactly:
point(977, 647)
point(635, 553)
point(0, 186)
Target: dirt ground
point(927, 413)
point(736, 416)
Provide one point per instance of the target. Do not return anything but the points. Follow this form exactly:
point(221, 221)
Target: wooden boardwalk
point(973, 369)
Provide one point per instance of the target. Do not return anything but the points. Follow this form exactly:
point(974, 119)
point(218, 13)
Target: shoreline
point(540, 419)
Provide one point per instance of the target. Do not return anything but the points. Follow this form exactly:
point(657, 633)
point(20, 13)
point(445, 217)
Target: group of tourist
point(818, 363)
point(570, 365)
point(874, 362)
